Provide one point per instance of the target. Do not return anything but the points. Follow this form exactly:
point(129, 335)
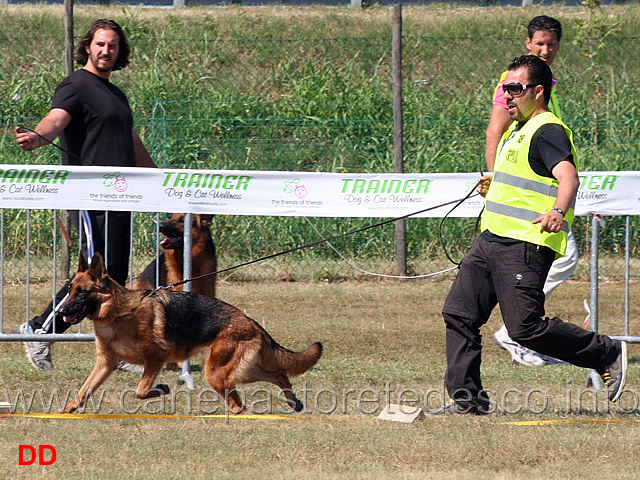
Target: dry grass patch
point(382, 338)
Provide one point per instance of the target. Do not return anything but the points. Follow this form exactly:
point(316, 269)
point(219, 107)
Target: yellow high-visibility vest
point(518, 195)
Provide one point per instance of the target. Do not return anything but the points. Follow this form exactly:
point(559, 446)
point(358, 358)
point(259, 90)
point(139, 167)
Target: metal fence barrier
point(597, 223)
point(185, 376)
point(28, 288)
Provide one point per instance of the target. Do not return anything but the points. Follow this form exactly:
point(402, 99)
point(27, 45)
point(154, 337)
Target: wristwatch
point(559, 210)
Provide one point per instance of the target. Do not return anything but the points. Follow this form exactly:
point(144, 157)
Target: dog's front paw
point(296, 405)
point(67, 409)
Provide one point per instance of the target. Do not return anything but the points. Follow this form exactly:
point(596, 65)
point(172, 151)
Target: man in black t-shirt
point(93, 119)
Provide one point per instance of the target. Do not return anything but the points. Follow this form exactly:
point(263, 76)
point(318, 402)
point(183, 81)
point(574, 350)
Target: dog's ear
point(205, 219)
point(97, 268)
point(83, 266)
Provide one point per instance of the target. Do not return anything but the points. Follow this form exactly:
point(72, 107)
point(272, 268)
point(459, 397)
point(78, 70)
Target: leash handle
point(469, 195)
point(50, 142)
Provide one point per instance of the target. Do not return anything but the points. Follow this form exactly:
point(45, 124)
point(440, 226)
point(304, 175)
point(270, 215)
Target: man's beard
point(109, 63)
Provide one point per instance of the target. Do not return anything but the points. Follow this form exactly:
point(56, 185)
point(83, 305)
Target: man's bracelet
point(559, 210)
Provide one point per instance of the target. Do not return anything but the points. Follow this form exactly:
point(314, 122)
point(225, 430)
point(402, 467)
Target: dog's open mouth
point(171, 243)
point(77, 313)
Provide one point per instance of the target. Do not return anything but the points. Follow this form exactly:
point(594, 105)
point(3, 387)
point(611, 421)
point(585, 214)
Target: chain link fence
point(325, 105)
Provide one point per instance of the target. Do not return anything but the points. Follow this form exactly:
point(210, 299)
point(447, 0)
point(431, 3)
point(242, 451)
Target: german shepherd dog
point(153, 327)
point(203, 255)
point(170, 271)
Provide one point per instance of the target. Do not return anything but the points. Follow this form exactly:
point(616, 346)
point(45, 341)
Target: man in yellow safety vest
point(528, 213)
point(543, 40)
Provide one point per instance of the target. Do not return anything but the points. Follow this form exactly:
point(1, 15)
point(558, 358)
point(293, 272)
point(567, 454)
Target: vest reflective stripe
point(541, 188)
point(518, 195)
point(516, 212)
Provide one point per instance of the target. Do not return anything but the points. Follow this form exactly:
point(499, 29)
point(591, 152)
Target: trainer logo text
point(27, 175)
point(362, 186)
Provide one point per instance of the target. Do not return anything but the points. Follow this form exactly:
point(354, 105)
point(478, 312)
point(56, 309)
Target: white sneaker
point(519, 354)
point(129, 367)
point(38, 353)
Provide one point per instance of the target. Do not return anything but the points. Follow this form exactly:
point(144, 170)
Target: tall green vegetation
point(309, 89)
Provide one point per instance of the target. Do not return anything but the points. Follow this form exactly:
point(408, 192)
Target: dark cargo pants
point(511, 275)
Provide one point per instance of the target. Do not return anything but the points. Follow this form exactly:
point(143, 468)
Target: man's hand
point(27, 140)
point(483, 185)
point(48, 129)
point(550, 222)
point(568, 183)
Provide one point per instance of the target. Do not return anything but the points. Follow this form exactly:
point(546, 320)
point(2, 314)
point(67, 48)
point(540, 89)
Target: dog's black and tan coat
point(152, 327)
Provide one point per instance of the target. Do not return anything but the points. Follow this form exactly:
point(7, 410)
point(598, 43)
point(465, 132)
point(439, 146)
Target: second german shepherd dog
point(170, 269)
point(152, 327)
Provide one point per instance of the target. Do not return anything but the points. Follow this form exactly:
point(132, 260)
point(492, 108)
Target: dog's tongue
point(169, 242)
point(165, 242)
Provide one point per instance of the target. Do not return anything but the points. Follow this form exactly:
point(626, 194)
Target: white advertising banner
point(253, 192)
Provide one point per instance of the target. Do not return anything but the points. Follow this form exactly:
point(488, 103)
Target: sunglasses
point(515, 89)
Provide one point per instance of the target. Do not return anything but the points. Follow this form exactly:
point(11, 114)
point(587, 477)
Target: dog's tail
point(296, 363)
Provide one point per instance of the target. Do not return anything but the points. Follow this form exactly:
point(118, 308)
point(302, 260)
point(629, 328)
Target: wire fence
point(325, 105)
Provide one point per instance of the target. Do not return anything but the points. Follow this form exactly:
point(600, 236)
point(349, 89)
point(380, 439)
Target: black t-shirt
point(549, 146)
point(100, 131)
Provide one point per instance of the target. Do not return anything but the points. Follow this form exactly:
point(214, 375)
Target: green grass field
point(383, 340)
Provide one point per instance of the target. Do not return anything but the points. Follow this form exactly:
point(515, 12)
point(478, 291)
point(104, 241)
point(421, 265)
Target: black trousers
point(115, 227)
point(511, 275)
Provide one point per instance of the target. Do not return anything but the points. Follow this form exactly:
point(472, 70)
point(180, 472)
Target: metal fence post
point(65, 257)
point(186, 377)
point(596, 222)
point(396, 60)
point(68, 37)
point(28, 280)
point(627, 259)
